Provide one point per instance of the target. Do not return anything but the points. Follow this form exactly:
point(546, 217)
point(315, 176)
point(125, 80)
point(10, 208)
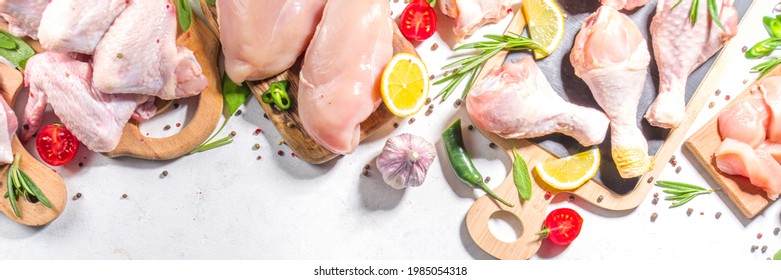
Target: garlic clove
point(405, 159)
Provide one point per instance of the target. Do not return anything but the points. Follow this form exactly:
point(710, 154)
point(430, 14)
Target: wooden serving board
point(288, 122)
point(50, 183)
point(532, 213)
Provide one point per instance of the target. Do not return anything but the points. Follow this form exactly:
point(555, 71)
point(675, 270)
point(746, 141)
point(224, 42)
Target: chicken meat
point(256, 47)
point(470, 15)
point(625, 4)
point(611, 56)
point(737, 158)
point(148, 62)
point(680, 48)
point(94, 117)
point(516, 101)
point(770, 90)
point(23, 16)
point(746, 121)
point(77, 25)
point(8, 126)
point(339, 80)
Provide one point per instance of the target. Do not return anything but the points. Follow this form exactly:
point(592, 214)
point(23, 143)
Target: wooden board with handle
point(703, 144)
point(50, 183)
point(532, 213)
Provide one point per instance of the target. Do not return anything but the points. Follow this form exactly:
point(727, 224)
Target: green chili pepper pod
point(773, 26)
point(277, 94)
point(461, 162)
point(763, 48)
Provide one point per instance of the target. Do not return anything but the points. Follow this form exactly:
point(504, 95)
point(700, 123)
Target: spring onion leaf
point(681, 193)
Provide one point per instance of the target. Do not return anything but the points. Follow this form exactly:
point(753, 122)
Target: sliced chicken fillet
point(770, 89)
point(259, 47)
point(339, 85)
point(746, 121)
point(737, 158)
point(516, 101)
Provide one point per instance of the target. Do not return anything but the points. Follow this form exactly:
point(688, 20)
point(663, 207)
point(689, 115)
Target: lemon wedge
point(570, 172)
point(545, 21)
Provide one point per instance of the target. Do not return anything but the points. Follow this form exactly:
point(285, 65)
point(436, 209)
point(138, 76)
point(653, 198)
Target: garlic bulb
point(405, 159)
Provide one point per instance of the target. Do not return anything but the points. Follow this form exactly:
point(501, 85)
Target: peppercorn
point(654, 216)
point(678, 170)
point(655, 200)
point(124, 196)
point(689, 212)
point(650, 179)
point(77, 196)
point(600, 198)
point(759, 235)
point(718, 215)
point(775, 231)
point(280, 153)
point(571, 198)
point(395, 125)
point(434, 47)
point(167, 127)
point(411, 120)
point(165, 173)
point(718, 92)
point(367, 166)
point(754, 248)
point(764, 249)
point(233, 133)
point(548, 195)
point(238, 113)
point(487, 179)
point(492, 145)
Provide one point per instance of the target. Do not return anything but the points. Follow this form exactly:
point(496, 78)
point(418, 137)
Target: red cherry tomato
point(562, 226)
point(56, 145)
point(418, 21)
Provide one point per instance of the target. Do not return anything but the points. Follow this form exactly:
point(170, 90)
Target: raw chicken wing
point(77, 25)
point(259, 47)
point(679, 48)
point(516, 101)
point(95, 118)
point(339, 85)
point(23, 16)
point(139, 55)
point(470, 15)
point(611, 56)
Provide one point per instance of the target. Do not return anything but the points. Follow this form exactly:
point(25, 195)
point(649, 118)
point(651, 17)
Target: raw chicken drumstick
point(611, 56)
point(516, 101)
point(679, 48)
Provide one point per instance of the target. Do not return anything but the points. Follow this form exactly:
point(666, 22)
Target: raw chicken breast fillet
point(737, 158)
point(259, 47)
point(23, 16)
point(77, 25)
point(516, 101)
point(339, 86)
point(95, 118)
point(138, 54)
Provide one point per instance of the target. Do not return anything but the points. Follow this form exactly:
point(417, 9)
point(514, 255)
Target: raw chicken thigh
point(95, 118)
point(624, 4)
point(611, 56)
point(339, 85)
point(139, 55)
point(470, 15)
point(679, 48)
point(516, 101)
point(77, 25)
point(259, 47)
point(8, 126)
point(23, 16)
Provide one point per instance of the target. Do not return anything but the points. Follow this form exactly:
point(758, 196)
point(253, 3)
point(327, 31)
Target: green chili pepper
point(773, 26)
point(461, 162)
point(277, 94)
point(763, 48)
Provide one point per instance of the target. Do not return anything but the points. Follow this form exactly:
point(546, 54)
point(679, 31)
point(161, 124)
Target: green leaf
point(27, 181)
point(233, 95)
point(777, 256)
point(211, 2)
point(713, 10)
point(7, 43)
point(433, 3)
point(521, 176)
point(18, 55)
point(185, 14)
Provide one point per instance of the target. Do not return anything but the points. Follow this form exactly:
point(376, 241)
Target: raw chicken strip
point(770, 89)
point(23, 16)
point(611, 56)
point(8, 126)
point(339, 85)
point(95, 118)
point(139, 55)
point(745, 121)
point(259, 47)
point(77, 25)
point(516, 101)
point(773, 149)
point(470, 15)
point(737, 158)
point(679, 48)
point(624, 4)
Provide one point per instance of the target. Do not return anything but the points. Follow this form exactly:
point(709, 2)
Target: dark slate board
point(561, 74)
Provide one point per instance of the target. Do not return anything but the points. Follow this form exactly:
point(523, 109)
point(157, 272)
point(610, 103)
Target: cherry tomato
point(562, 226)
point(56, 145)
point(418, 21)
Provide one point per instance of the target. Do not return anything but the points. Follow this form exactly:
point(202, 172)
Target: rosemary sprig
point(713, 11)
point(471, 65)
point(20, 185)
point(765, 67)
point(681, 193)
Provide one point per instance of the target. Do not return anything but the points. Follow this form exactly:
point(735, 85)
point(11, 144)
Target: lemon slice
point(571, 172)
point(546, 24)
point(404, 85)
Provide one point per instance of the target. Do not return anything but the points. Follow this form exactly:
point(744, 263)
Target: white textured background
point(226, 204)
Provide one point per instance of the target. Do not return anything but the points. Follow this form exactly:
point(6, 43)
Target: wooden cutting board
point(50, 183)
point(288, 122)
point(703, 145)
point(531, 213)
